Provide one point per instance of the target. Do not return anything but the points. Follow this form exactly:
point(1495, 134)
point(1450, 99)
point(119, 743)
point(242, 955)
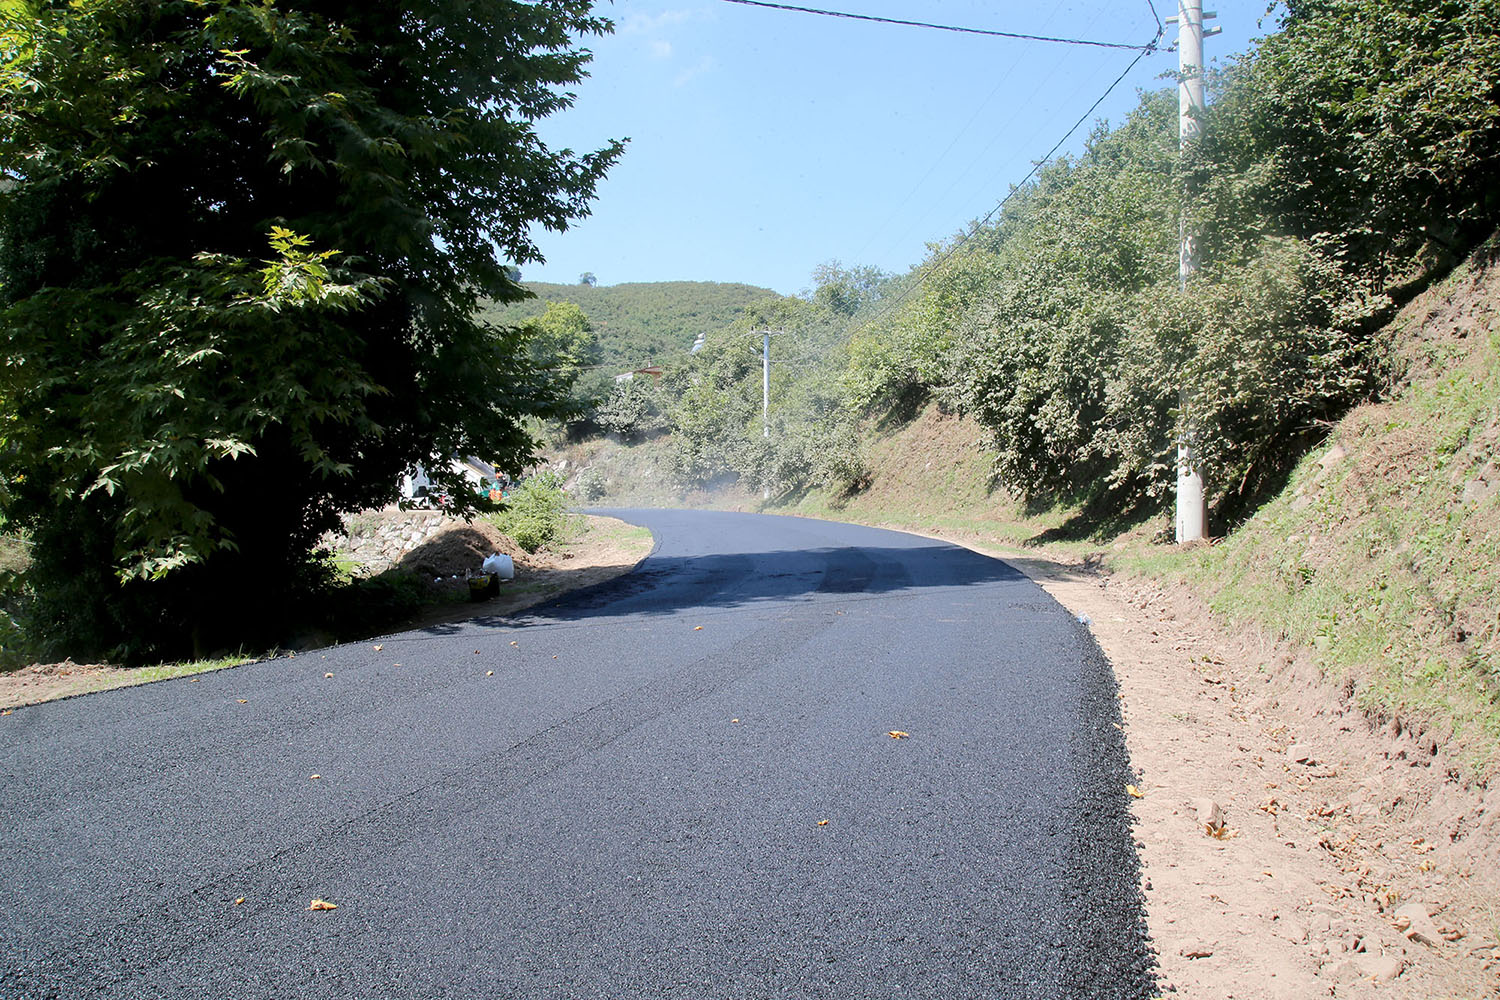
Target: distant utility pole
point(765, 385)
point(765, 380)
point(765, 393)
point(1192, 515)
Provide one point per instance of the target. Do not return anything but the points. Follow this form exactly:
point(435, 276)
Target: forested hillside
point(640, 323)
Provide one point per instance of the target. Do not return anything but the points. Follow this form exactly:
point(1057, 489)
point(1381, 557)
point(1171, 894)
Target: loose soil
point(608, 549)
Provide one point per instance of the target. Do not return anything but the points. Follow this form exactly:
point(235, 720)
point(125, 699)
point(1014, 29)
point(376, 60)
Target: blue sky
point(766, 142)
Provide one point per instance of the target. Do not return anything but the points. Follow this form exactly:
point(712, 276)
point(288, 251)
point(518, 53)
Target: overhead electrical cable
point(1159, 26)
point(937, 265)
point(1001, 133)
point(944, 27)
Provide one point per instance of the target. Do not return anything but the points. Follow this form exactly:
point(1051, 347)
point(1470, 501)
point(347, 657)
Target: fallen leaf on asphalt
point(313, 777)
point(897, 734)
point(326, 676)
point(322, 904)
point(735, 721)
point(476, 652)
point(554, 656)
point(822, 822)
point(1135, 792)
point(515, 644)
point(238, 901)
point(6, 712)
point(194, 680)
point(697, 628)
point(489, 673)
point(243, 701)
point(395, 664)
point(378, 647)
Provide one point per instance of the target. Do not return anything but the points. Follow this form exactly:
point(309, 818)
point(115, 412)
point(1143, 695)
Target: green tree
point(562, 340)
point(847, 290)
point(186, 412)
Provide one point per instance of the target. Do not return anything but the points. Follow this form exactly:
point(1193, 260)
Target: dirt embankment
point(1292, 845)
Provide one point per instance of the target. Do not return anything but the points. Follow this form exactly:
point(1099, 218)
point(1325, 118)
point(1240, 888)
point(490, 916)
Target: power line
point(933, 268)
point(946, 27)
point(1159, 26)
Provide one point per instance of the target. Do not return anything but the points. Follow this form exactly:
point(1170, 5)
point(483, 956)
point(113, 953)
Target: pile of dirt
point(458, 548)
point(427, 543)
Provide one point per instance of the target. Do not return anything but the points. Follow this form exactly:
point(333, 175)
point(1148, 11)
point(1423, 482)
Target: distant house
point(653, 370)
point(479, 473)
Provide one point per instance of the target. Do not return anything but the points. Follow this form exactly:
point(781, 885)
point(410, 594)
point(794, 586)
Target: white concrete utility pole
point(1192, 515)
point(765, 378)
point(765, 385)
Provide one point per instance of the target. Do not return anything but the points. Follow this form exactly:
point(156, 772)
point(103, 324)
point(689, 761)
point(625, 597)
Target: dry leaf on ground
point(322, 904)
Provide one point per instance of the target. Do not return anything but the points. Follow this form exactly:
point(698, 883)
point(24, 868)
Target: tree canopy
point(242, 248)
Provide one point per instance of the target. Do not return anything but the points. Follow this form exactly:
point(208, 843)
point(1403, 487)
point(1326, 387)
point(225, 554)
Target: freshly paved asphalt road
point(628, 807)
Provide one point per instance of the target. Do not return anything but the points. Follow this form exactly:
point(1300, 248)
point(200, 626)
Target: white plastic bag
point(500, 565)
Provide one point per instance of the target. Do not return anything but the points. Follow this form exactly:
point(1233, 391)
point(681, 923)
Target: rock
point(1343, 971)
point(1300, 753)
point(1210, 816)
point(1194, 948)
point(1381, 968)
point(1415, 922)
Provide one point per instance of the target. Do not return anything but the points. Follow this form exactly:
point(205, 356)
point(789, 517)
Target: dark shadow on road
point(665, 584)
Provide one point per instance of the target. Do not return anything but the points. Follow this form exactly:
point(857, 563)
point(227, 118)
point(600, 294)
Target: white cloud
point(697, 69)
point(650, 24)
point(661, 49)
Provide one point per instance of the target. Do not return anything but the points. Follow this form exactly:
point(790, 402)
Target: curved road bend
point(620, 795)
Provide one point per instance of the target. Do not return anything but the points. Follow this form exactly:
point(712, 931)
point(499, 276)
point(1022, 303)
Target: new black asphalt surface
point(628, 806)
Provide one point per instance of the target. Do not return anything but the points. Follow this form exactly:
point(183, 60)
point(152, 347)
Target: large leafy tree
point(241, 247)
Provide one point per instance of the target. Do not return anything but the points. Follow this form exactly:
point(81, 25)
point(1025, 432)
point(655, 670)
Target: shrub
point(536, 513)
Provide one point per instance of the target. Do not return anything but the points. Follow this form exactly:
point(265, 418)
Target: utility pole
point(765, 385)
point(1192, 515)
point(765, 378)
point(765, 393)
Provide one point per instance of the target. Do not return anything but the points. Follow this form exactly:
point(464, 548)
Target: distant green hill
point(642, 322)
